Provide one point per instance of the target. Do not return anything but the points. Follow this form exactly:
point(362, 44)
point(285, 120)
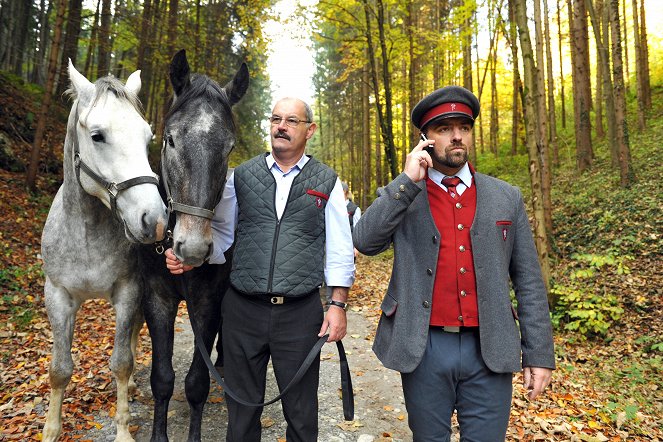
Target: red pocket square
point(316, 193)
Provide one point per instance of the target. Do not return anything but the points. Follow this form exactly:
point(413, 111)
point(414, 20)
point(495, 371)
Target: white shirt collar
point(464, 174)
point(271, 162)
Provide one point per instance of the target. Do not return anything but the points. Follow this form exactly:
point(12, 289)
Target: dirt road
point(379, 409)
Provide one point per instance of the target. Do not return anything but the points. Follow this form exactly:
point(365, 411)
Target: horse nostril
point(177, 247)
point(148, 225)
point(210, 249)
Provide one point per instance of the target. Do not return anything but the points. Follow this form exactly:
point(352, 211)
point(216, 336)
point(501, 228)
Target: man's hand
point(175, 265)
point(536, 379)
point(335, 324)
point(418, 161)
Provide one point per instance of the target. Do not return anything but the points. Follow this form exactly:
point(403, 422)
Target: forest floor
point(608, 263)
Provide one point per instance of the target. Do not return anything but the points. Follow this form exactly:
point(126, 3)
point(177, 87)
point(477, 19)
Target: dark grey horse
point(89, 250)
point(198, 138)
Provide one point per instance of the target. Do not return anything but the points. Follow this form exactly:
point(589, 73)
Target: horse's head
point(198, 138)
point(110, 153)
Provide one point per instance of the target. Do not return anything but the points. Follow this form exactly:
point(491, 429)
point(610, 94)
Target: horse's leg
point(126, 300)
point(206, 316)
point(160, 311)
point(135, 336)
point(61, 309)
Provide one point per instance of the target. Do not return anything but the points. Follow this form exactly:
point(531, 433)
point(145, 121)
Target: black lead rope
point(346, 380)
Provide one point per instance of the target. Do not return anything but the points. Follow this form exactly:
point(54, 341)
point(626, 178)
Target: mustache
point(280, 134)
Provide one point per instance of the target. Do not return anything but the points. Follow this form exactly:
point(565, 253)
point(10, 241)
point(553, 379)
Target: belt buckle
point(276, 300)
point(451, 328)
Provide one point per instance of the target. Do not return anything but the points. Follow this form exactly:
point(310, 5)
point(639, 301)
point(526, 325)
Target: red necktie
point(450, 183)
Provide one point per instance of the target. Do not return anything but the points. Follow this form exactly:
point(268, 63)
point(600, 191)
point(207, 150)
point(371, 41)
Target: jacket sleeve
point(374, 231)
point(530, 290)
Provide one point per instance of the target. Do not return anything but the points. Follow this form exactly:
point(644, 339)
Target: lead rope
point(346, 379)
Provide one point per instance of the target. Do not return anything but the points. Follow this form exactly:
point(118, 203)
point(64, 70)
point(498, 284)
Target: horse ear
point(237, 87)
point(133, 82)
point(83, 86)
point(179, 72)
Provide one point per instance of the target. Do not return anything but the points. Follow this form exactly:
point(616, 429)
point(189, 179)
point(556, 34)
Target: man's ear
point(311, 130)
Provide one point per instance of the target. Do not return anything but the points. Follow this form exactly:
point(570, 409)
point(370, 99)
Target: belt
point(278, 300)
point(455, 328)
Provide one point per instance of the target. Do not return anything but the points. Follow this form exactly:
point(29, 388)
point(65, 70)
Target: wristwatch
point(340, 304)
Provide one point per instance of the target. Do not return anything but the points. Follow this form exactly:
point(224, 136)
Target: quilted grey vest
point(285, 257)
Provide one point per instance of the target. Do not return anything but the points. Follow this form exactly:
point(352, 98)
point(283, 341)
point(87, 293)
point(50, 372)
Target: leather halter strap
point(175, 206)
point(111, 187)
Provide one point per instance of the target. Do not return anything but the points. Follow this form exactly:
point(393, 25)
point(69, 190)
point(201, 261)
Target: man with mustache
point(290, 223)
point(448, 323)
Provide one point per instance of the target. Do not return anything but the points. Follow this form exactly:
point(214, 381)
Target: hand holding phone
point(430, 147)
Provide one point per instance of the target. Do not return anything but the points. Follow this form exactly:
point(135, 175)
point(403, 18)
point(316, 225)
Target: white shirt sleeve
point(356, 216)
point(339, 251)
point(224, 222)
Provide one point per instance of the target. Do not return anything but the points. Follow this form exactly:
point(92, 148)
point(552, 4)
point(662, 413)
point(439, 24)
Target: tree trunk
point(366, 142)
point(552, 118)
point(31, 178)
point(494, 118)
point(602, 45)
point(103, 59)
point(18, 38)
point(562, 96)
point(38, 72)
point(626, 174)
point(646, 81)
point(384, 121)
point(70, 49)
point(387, 124)
point(531, 116)
point(171, 36)
point(542, 142)
point(94, 37)
point(582, 97)
point(467, 70)
point(515, 106)
point(639, 80)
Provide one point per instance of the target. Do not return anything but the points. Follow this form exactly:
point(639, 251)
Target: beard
point(452, 159)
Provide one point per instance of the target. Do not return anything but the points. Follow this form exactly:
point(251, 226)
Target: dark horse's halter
point(111, 187)
point(175, 206)
point(346, 380)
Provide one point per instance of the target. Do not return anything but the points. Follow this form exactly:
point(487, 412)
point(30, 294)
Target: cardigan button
point(426, 304)
point(459, 206)
point(463, 293)
point(429, 271)
point(462, 270)
point(461, 227)
point(461, 248)
point(460, 318)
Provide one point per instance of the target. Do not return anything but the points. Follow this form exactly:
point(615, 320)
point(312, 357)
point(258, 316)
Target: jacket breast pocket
point(389, 305)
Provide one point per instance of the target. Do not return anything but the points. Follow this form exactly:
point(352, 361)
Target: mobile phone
point(429, 148)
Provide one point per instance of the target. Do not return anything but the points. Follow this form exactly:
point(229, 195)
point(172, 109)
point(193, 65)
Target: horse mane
point(111, 84)
point(205, 87)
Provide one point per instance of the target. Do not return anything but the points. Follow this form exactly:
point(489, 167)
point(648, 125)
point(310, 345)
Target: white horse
point(88, 250)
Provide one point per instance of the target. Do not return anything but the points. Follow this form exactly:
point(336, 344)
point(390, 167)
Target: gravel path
point(379, 409)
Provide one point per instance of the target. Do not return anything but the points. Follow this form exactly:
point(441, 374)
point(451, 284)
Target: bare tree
point(626, 173)
point(582, 96)
point(103, 59)
point(31, 178)
point(531, 117)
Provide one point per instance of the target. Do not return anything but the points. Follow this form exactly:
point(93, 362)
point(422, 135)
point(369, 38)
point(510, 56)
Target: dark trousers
point(452, 375)
point(254, 330)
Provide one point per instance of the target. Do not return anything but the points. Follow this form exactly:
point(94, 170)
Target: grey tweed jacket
point(401, 216)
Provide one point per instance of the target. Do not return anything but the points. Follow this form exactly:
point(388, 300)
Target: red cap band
point(446, 108)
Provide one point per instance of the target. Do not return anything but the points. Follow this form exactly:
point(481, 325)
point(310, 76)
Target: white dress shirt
point(464, 174)
point(339, 251)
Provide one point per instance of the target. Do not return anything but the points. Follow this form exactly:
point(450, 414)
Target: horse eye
point(97, 137)
point(170, 141)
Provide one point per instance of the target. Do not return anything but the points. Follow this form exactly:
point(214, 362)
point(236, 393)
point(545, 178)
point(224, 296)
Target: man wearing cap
point(460, 239)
